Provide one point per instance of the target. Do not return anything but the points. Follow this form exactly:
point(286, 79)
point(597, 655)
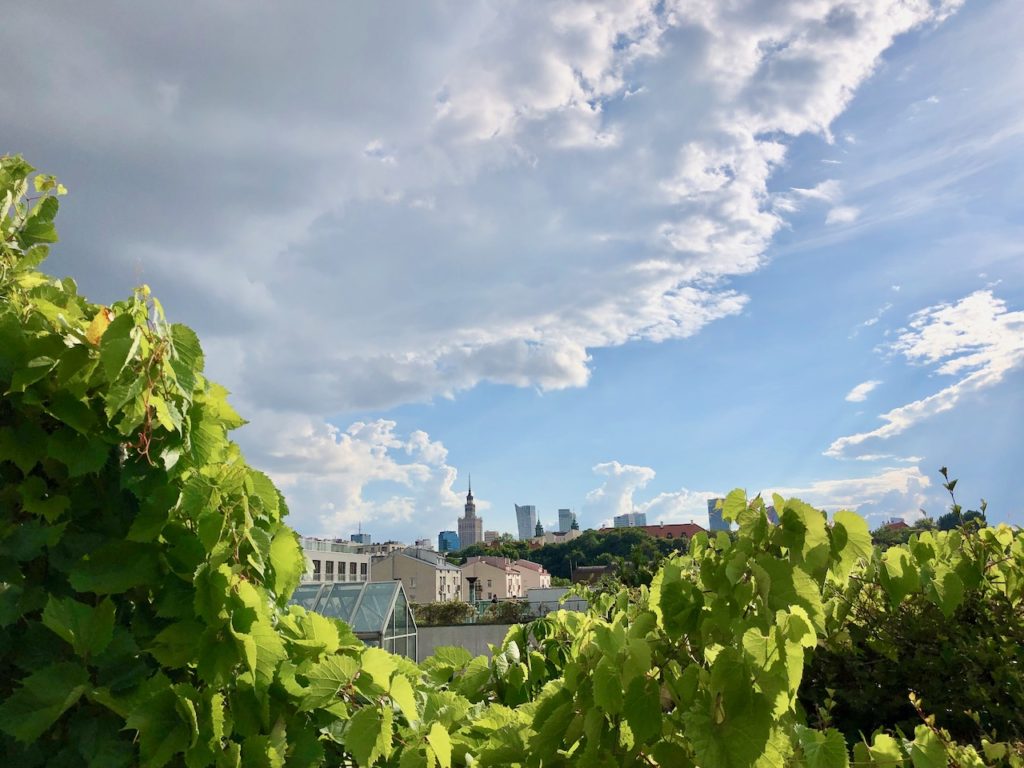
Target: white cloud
point(397, 486)
point(892, 492)
point(860, 392)
point(618, 491)
point(976, 338)
point(842, 214)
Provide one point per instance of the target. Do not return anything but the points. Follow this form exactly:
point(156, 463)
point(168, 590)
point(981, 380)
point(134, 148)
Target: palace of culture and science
point(470, 526)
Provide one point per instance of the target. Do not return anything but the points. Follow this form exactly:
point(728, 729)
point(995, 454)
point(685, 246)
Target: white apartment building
point(333, 561)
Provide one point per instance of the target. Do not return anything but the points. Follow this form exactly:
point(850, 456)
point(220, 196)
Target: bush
point(443, 614)
point(507, 612)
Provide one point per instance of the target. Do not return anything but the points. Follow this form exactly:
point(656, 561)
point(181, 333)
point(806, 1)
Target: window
point(329, 570)
point(362, 572)
point(316, 570)
point(488, 582)
point(352, 571)
point(412, 582)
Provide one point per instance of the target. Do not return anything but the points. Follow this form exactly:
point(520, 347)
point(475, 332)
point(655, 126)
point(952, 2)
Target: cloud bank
point(359, 208)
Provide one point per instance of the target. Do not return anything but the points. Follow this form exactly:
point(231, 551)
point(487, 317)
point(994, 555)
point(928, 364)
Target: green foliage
point(443, 614)
point(145, 572)
point(634, 552)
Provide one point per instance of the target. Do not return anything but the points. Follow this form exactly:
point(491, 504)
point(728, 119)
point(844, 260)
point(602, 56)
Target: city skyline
point(663, 251)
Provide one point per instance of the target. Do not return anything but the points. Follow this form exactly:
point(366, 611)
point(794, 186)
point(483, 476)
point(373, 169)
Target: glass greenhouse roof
point(377, 611)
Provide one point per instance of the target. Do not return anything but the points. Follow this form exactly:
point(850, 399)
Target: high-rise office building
point(630, 520)
point(471, 527)
point(361, 538)
point(526, 521)
point(491, 536)
point(566, 517)
point(715, 520)
point(447, 541)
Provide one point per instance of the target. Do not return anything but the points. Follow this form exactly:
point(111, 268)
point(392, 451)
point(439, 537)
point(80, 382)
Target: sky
point(610, 256)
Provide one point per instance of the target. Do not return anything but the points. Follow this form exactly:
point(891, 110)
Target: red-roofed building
point(533, 575)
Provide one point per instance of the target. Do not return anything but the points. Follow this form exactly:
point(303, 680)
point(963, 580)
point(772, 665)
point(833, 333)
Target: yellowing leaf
point(98, 326)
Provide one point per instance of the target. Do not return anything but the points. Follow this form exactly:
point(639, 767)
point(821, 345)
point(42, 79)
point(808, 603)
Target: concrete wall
point(473, 637)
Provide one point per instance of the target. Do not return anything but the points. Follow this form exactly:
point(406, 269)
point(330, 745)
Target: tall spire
point(470, 483)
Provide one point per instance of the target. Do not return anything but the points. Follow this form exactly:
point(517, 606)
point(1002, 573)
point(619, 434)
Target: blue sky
point(661, 251)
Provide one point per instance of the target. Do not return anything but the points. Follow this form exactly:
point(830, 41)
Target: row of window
point(328, 571)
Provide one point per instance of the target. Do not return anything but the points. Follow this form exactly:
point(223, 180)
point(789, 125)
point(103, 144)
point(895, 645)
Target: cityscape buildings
point(630, 520)
point(491, 536)
point(526, 521)
point(448, 541)
point(566, 517)
point(715, 520)
point(471, 527)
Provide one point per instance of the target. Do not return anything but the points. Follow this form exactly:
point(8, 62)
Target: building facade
point(526, 521)
point(361, 538)
point(448, 541)
point(424, 544)
point(471, 527)
point(715, 520)
point(566, 517)
point(494, 577)
point(426, 576)
point(532, 575)
point(330, 561)
point(630, 520)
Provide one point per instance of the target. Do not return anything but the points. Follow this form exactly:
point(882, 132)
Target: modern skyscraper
point(526, 521)
point(715, 520)
point(566, 517)
point(361, 538)
point(471, 527)
point(447, 541)
point(630, 520)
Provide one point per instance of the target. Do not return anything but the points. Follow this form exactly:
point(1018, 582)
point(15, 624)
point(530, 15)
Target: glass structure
point(378, 612)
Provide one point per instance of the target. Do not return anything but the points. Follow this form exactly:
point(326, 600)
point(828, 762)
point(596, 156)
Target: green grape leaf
point(607, 686)
point(327, 678)
point(857, 545)
point(402, 694)
point(368, 736)
point(81, 454)
point(946, 590)
point(89, 630)
point(441, 744)
point(823, 749)
point(162, 731)
point(735, 504)
point(287, 562)
point(927, 751)
point(116, 567)
point(36, 499)
point(116, 345)
point(643, 708)
point(42, 698)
